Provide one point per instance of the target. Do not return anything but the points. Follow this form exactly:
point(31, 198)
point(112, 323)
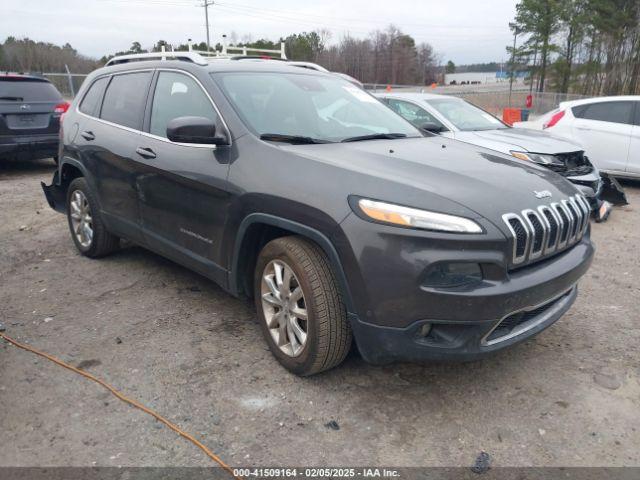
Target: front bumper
point(29, 147)
point(458, 341)
point(55, 194)
point(400, 318)
point(590, 186)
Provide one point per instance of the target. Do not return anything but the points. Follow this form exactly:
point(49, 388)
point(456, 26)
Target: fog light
point(452, 274)
point(425, 329)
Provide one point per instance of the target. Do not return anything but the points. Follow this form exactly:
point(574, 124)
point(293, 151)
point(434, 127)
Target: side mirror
point(431, 127)
point(194, 130)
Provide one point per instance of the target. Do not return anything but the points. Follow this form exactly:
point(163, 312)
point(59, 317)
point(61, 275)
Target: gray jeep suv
point(338, 217)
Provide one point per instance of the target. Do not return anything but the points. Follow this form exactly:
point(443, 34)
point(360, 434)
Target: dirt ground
point(179, 344)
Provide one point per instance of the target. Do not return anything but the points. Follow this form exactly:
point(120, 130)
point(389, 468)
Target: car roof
point(583, 101)
point(22, 76)
point(415, 96)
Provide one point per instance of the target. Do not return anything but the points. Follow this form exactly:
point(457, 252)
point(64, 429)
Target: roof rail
point(200, 57)
point(228, 52)
point(190, 56)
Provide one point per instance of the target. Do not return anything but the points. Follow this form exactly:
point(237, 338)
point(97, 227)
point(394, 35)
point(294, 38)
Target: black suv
point(30, 112)
point(336, 215)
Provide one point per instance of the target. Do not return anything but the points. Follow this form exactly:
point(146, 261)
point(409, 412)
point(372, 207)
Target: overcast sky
point(465, 31)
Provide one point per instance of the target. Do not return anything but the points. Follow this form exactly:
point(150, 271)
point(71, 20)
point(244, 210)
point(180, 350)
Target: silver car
point(458, 119)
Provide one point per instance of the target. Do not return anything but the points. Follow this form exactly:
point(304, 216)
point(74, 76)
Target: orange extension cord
point(125, 399)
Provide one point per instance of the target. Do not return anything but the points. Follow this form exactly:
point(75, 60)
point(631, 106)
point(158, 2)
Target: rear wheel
point(299, 306)
point(85, 222)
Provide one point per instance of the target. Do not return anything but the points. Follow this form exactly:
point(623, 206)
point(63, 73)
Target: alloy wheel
point(81, 219)
point(284, 307)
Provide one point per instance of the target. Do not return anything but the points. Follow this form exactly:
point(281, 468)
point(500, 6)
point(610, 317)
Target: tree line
point(385, 56)
point(589, 47)
point(26, 55)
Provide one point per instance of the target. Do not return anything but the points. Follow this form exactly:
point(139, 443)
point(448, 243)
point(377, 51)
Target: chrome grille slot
point(564, 220)
point(573, 220)
point(586, 210)
point(520, 236)
point(548, 228)
point(553, 227)
point(579, 216)
point(537, 231)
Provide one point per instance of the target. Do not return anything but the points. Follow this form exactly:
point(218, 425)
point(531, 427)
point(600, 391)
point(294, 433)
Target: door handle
point(145, 152)
point(87, 135)
point(584, 128)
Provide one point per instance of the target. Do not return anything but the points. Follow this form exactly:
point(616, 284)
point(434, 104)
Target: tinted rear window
point(125, 98)
point(19, 90)
point(91, 101)
point(615, 112)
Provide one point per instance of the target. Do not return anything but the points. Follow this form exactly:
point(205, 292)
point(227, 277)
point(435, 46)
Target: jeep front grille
point(548, 228)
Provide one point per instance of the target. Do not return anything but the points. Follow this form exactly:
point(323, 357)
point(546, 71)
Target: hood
point(506, 139)
point(438, 174)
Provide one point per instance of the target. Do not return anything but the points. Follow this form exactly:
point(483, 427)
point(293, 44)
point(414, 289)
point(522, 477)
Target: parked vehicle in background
point(456, 118)
point(30, 112)
point(608, 128)
point(339, 217)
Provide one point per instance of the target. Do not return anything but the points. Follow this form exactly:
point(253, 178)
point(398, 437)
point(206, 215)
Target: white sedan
point(608, 128)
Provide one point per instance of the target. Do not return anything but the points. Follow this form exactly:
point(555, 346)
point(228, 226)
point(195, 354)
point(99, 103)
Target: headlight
point(413, 218)
point(540, 158)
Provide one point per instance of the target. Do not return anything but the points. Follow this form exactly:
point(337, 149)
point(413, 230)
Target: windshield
point(325, 109)
point(464, 116)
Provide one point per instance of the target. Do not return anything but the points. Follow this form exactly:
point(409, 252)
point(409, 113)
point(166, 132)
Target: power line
point(292, 15)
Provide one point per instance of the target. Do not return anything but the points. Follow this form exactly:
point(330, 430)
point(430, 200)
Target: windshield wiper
point(376, 136)
point(15, 99)
point(293, 139)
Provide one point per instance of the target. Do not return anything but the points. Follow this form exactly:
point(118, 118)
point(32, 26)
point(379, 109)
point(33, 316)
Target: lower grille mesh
point(510, 323)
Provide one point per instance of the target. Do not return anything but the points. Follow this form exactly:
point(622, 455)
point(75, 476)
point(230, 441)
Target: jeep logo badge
point(542, 193)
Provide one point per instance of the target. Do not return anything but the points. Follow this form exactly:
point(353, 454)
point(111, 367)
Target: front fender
point(303, 230)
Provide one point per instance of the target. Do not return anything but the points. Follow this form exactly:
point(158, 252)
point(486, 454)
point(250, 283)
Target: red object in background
point(529, 101)
point(510, 115)
point(388, 89)
point(555, 119)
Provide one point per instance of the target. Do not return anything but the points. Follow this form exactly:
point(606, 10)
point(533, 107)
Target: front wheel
point(301, 312)
point(88, 231)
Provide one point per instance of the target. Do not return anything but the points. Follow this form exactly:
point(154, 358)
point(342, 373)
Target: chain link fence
point(496, 102)
point(67, 84)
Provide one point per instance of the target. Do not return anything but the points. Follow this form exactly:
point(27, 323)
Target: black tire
point(328, 331)
point(102, 242)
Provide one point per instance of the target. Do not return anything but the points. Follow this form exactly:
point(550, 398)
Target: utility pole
point(206, 5)
point(513, 59)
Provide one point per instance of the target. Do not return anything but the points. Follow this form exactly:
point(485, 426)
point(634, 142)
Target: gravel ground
point(179, 344)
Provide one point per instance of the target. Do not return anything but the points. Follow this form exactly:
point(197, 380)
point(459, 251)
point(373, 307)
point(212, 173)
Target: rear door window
point(20, 90)
point(178, 95)
point(125, 98)
point(91, 102)
point(613, 112)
